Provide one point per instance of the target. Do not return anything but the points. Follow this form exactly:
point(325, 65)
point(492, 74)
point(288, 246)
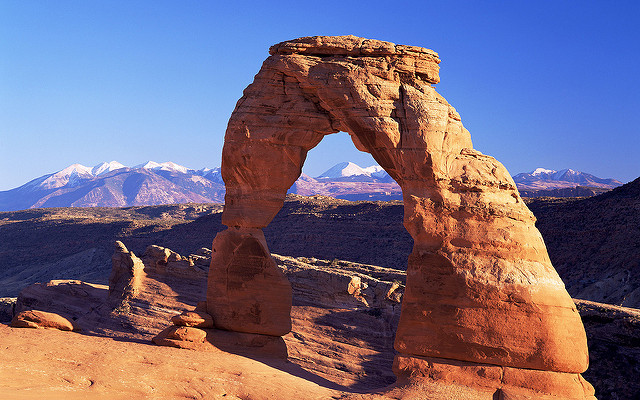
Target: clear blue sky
point(552, 84)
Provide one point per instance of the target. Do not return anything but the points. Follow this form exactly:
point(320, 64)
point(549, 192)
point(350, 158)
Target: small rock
point(187, 334)
point(181, 336)
point(355, 286)
point(197, 319)
point(7, 305)
point(41, 319)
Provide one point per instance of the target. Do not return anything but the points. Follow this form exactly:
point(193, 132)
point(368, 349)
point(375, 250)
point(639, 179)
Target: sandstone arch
point(480, 286)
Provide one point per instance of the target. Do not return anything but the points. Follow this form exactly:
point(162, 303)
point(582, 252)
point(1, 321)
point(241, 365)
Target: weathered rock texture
point(41, 319)
point(480, 286)
point(126, 274)
point(167, 262)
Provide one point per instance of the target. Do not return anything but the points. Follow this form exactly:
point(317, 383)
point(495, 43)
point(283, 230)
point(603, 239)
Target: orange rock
point(41, 319)
point(183, 337)
point(502, 382)
point(246, 290)
point(480, 285)
point(187, 334)
point(126, 274)
point(196, 319)
point(201, 306)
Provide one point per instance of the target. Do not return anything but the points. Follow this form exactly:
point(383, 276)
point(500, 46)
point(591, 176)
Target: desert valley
point(343, 342)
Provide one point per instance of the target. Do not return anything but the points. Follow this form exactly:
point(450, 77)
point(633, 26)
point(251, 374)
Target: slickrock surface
point(480, 285)
point(338, 340)
point(39, 364)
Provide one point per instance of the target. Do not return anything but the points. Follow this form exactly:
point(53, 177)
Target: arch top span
point(479, 271)
point(378, 92)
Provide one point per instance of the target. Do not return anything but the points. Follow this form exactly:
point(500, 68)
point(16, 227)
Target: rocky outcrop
point(614, 349)
point(7, 307)
point(41, 319)
point(335, 335)
point(126, 274)
point(480, 286)
point(167, 262)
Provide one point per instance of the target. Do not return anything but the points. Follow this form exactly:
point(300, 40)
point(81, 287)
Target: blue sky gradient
point(539, 84)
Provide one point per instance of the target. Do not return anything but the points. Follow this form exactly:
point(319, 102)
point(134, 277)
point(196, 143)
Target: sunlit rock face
point(480, 285)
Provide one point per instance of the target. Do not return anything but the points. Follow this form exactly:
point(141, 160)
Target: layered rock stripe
point(480, 285)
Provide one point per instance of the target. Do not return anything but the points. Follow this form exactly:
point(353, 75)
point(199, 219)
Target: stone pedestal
point(490, 381)
point(246, 290)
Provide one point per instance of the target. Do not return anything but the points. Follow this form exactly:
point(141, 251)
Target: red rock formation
point(41, 319)
point(480, 286)
point(196, 319)
point(126, 274)
point(247, 291)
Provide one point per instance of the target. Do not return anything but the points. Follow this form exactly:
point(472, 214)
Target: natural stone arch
point(480, 285)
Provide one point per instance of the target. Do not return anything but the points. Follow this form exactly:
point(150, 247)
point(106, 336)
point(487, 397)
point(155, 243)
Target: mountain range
point(113, 184)
point(545, 179)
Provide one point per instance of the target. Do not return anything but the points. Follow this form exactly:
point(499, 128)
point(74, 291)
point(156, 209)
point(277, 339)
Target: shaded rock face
point(248, 291)
point(480, 285)
point(124, 282)
point(164, 261)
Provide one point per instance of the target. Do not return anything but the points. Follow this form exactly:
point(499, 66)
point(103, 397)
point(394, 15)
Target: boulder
point(196, 319)
point(182, 337)
point(41, 319)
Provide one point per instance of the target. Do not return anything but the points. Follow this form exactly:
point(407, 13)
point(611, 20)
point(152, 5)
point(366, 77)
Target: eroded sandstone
point(126, 274)
point(480, 285)
point(41, 319)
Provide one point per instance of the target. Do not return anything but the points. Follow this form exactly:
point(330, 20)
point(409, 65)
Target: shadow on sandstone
point(367, 336)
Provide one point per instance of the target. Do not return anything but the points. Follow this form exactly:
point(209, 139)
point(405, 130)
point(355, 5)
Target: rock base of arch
point(490, 382)
point(247, 292)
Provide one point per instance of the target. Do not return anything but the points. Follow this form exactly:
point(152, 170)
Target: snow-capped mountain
point(113, 184)
point(348, 171)
point(73, 175)
point(106, 167)
point(343, 170)
point(165, 166)
point(545, 179)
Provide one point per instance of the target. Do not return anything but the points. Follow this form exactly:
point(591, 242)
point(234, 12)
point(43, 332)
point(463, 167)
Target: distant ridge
point(115, 185)
point(112, 184)
point(547, 179)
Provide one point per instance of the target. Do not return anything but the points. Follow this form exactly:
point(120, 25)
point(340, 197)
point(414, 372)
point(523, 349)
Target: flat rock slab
point(49, 364)
point(41, 319)
point(196, 319)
